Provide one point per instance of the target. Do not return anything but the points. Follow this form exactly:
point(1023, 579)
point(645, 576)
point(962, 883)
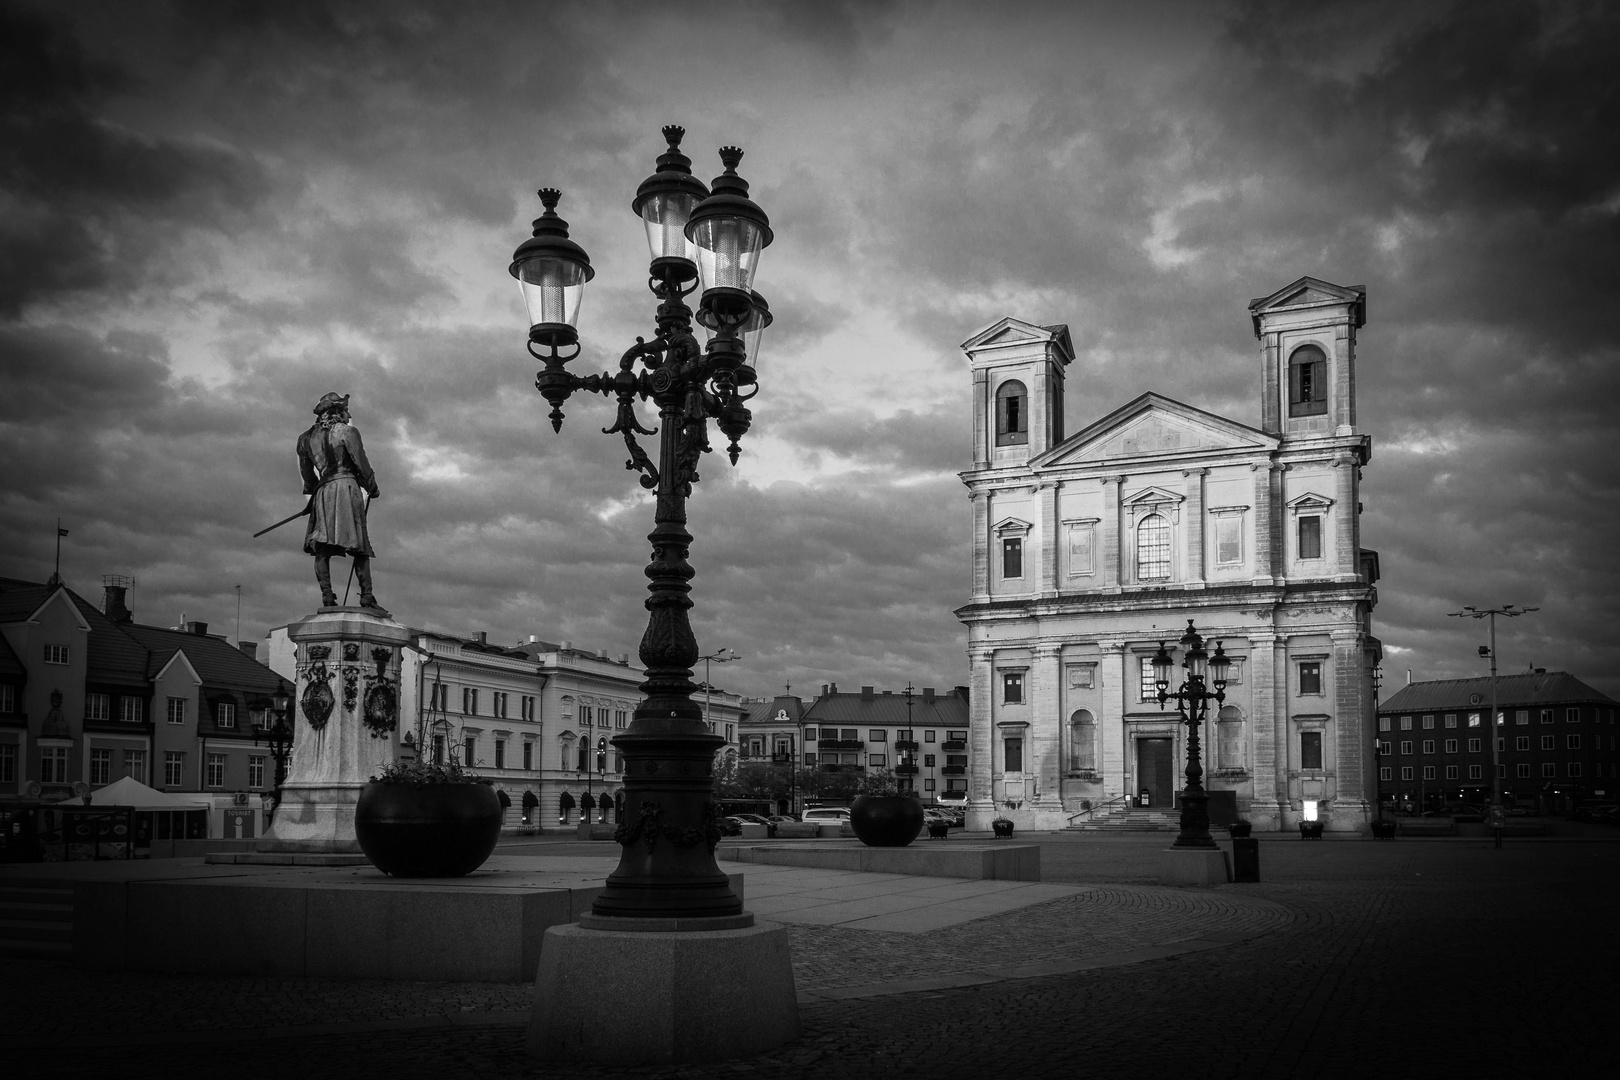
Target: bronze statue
point(338, 479)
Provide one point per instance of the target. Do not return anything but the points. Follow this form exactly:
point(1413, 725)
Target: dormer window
point(1012, 414)
point(1307, 381)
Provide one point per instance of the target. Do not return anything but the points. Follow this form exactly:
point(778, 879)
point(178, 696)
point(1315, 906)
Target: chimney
point(198, 628)
point(565, 645)
point(928, 694)
point(834, 689)
point(823, 689)
point(602, 653)
point(961, 692)
point(624, 658)
point(482, 637)
point(114, 605)
point(249, 649)
point(886, 693)
point(534, 639)
point(1408, 676)
point(866, 693)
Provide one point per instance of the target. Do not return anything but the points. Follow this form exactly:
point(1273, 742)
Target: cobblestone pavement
point(1432, 957)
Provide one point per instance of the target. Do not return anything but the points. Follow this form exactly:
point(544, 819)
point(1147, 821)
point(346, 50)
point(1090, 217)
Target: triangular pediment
point(1009, 332)
point(1153, 496)
point(1151, 427)
point(1012, 524)
point(180, 661)
point(1309, 501)
point(1311, 292)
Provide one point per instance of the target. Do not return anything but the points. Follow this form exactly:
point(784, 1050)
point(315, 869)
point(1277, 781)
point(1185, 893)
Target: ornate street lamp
point(278, 736)
point(1192, 704)
point(696, 236)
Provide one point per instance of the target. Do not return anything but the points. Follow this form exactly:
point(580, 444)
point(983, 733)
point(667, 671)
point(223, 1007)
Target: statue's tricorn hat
point(331, 401)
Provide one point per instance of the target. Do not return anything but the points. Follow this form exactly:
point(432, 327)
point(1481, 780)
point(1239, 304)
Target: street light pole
point(1507, 611)
point(1192, 703)
point(722, 655)
point(696, 235)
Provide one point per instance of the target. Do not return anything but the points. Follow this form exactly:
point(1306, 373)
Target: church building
point(1090, 549)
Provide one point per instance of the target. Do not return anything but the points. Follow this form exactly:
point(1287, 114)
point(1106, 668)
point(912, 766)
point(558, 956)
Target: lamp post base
point(1193, 866)
point(580, 1013)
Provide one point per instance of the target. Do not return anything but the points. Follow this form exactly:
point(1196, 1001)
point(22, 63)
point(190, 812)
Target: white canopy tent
point(131, 792)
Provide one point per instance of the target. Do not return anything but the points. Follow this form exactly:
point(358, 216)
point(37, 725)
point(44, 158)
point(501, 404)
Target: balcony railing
point(905, 744)
point(905, 770)
point(954, 746)
point(843, 768)
point(842, 744)
point(954, 770)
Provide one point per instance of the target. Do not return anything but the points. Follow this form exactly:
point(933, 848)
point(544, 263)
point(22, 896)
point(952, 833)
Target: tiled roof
point(887, 710)
point(764, 712)
point(1539, 688)
point(219, 663)
point(111, 656)
point(10, 666)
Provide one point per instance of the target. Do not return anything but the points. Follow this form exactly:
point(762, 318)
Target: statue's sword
point(294, 517)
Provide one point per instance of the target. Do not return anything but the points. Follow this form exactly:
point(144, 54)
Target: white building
point(1091, 548)
point(537, 718)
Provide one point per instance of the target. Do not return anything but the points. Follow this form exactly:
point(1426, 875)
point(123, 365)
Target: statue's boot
point(362, 570)
point(323, 576)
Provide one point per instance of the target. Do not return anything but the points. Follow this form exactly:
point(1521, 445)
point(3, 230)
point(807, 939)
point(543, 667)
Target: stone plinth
point(345, 713)
point(1193, 866)
point(995, 861)
point(623, 998)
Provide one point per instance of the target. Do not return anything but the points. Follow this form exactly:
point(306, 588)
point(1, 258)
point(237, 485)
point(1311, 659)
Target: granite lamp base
point(625, 998)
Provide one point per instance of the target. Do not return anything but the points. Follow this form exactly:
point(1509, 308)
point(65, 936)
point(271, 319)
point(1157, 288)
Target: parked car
point(1596, 812)
point(757, 819)
point(730, 826)
point(826, 815)
point(779, 819)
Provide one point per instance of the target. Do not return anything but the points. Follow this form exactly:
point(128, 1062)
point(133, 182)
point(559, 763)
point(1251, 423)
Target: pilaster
point(981, 418)
point(1344, 531)
point(1046, 726)
point(1113, 686)
point(1194, 478)
point(981, 545)
point(1110, 538)
point(981, 727)
point(1047, 494)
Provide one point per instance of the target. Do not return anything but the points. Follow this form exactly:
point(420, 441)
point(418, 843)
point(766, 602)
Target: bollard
point(1245, 858)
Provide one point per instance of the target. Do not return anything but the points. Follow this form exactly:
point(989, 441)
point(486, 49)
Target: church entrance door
point(1155, 768)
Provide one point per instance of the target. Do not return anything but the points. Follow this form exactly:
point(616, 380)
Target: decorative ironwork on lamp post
point(279, 737)
point(1192, 704)
point(696, 235)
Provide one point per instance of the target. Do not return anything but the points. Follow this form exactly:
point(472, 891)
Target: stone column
point(1353, 777)
point(981, 544)
point(981, 729)
point(981, 419)
point(1268, 777)
point(1047, 493)
point(1344, 531)
point(345, 715)
point(1113, 686)
point(1046, 728)
point(1108, 539)
point(1196, 575)
point(1266, 513)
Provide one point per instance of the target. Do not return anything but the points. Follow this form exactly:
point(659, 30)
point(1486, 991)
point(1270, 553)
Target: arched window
point(1082, 741)
point(1153, 548)
point(1229, 737)
point(1012, 414)
point(584, 750)
point(1307, 381)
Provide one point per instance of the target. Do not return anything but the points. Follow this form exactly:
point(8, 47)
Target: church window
point(1082, 741)
point(1310, 537)
point(1310, 750)
point(1012, 687)
point(1014, 760)
point(1229, 731)
point(1228, 539)
point(1310, 677)
point(1012, 414)
point(1153, 549)
point(1307, 382)
point(1012, 557)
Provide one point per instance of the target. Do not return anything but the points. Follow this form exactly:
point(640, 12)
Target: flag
point(60, 531)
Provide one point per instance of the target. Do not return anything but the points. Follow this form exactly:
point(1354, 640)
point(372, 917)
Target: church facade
point(1092, 548)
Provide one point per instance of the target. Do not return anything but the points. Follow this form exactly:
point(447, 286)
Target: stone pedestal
point(1193, 866)
point(346, 714)
point(626, 998)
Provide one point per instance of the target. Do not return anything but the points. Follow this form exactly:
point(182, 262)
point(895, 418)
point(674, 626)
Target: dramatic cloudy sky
point(215, 212)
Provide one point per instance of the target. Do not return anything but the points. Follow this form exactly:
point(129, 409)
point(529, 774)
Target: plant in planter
point(1002, 826)
point(1311, 830)
point(884, 814)
point(427, 819)
point(1241, 827)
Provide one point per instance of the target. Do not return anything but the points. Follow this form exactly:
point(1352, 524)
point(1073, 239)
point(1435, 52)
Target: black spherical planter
point(1001, 827)
point(1240, 828)
point(427, 830)
point(886, 820)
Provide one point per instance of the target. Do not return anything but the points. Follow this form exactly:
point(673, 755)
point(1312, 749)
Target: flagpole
point(56, 575)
